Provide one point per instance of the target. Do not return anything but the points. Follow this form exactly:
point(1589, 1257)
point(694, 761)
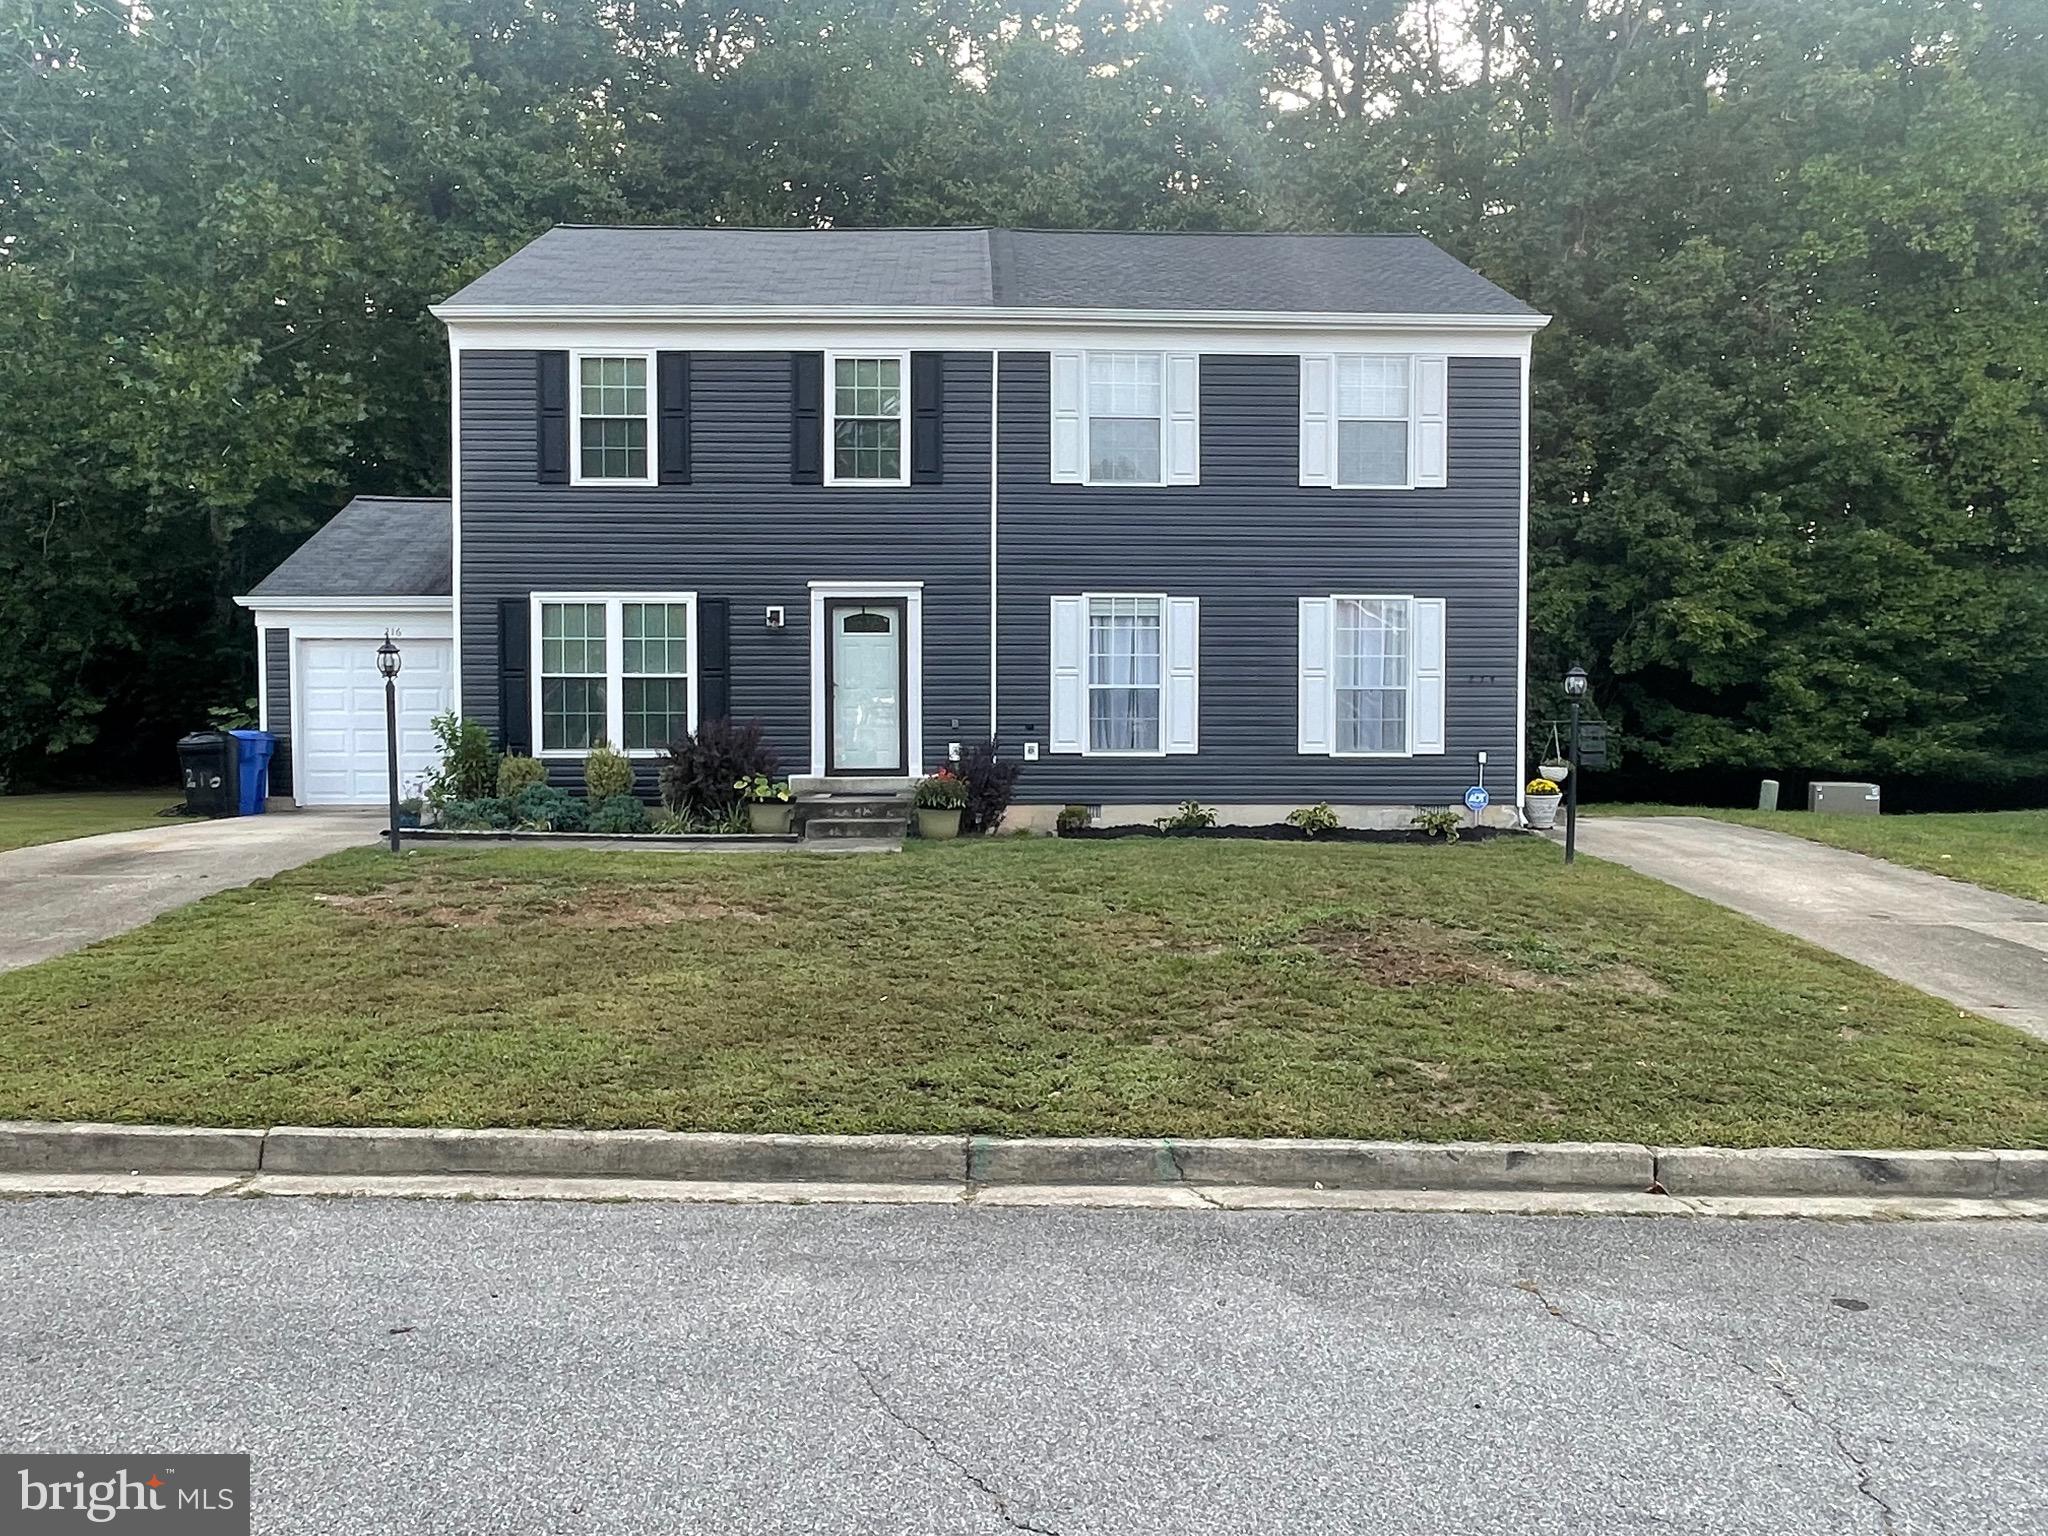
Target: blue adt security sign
point(1477, 799)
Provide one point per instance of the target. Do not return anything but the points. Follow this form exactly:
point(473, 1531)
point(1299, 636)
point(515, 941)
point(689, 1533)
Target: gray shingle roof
point(592, 266)
point(376, 546)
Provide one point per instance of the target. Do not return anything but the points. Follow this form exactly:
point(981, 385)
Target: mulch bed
point(1280, 832)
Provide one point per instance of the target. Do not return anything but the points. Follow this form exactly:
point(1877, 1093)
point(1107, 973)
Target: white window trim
point(1088, 354)
point(1088, 686)
point(614, 664)
point(576, 475)
point(1408, 689)
point(831, 458)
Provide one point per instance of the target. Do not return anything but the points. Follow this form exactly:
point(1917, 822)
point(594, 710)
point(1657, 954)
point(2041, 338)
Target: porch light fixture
point(388, 659)
point(1575, 683)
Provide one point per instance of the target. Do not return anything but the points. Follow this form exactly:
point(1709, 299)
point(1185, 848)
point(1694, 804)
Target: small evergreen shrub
point(516, 772)
point(606, 774)
point(484, 814)
point(1072, 818)
point(700, 775)
point(990, 781)
point(618, 813)
point(544, 808)
point(1313, 819)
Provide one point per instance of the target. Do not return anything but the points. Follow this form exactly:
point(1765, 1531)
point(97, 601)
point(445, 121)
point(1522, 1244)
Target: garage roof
point(624, 266)
point(376, 546)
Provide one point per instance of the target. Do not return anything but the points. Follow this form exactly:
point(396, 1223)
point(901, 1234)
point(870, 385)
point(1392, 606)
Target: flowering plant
point(1543, 787)
point(941, 791)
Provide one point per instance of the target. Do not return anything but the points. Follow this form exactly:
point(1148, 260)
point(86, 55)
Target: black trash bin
point(208, 763)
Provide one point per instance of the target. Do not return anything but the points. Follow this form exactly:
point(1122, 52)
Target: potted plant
point(767, 803)
point(940, 799)
point(1539, 798)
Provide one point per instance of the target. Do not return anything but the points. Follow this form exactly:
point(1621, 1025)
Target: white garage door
point(341, 718)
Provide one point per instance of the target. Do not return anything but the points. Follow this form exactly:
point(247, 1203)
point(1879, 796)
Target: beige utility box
point(1842, 799)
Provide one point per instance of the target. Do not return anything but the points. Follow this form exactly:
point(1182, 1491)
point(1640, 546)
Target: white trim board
point(912, 593)
point(990, 315)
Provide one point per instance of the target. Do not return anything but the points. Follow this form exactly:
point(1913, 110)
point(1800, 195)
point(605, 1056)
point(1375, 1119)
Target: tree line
point(1789, 425)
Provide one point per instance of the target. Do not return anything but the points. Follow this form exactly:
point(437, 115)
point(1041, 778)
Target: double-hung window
point(1374, 421)
point(869, 424)
point(1126, 418)
point(1125, 676)
point(1125, 671)
point(616, 668)
point(1371, 676)
point(614, 418)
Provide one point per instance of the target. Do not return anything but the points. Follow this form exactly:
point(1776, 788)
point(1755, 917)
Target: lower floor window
point(1124, 679)
point(614, 669)
point(1371, 674)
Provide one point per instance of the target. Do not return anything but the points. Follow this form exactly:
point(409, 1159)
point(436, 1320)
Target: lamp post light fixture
point(388, 663)
point(1575, 690)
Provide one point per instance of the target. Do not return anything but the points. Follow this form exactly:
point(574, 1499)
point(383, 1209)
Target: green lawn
point(1020, 986)
point(2002, 850)
point(26, 820)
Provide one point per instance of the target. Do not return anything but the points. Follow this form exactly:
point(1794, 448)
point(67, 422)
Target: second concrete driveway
point(1981, 950)
point(63, 896)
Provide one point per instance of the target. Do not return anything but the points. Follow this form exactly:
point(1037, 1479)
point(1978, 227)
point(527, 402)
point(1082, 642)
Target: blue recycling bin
point(254, 757)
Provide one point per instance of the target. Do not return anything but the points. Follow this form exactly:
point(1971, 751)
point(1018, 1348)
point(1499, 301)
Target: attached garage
point(381, 566)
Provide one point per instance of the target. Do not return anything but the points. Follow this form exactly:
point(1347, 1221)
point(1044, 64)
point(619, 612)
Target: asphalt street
point(413, 1366)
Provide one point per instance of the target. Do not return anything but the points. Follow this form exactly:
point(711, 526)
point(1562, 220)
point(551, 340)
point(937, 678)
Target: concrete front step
point(834, 827)
point(844, 784)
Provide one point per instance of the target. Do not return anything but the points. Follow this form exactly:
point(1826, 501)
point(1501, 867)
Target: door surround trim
point(911, 594)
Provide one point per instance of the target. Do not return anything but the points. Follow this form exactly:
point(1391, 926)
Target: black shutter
point(807, 418)
point(552, 369)
point(927, 418)
point(515, 702)
point(714, 659)
point(672, 371)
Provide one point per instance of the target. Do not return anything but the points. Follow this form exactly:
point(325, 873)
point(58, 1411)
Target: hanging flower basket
point(1556, 767)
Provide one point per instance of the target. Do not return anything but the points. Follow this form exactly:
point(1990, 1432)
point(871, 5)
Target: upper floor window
point(1126, 418)
point(614, 415)
point(869, 407)
point(1373, 421)
point(612, 668)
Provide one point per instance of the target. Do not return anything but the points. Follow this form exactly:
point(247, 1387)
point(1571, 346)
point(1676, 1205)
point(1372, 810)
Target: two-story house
point(1239, 518)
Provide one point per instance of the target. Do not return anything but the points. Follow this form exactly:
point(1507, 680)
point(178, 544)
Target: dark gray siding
point(1250, 541)
point(740, 531)
point(277, 704)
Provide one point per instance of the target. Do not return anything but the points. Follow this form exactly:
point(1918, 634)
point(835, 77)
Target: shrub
point(484, 814)
point(941, 791)
point(619, 813)
point(1072, 818)
point(990, 781)
point(544, 808)
point(701, 773)
point(606, 774)
point(469, 764)
point(516, 772)
point(1191, 816)
point(1443, 824)
point(1313, 819)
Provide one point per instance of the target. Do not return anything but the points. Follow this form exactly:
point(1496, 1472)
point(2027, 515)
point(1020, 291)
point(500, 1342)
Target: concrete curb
point(995, 1162)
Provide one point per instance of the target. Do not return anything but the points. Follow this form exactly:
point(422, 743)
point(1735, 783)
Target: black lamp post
point(388, 662)
point(1575, 690)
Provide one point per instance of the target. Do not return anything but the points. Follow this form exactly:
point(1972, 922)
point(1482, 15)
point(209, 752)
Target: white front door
point(865, 680)
point(341, 718)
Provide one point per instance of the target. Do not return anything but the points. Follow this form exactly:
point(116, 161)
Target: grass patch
point(26, 820)
point(1021, 986)
point(1999, 850)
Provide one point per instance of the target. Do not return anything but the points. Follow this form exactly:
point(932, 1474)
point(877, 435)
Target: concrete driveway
point(1979, 949)
point(63, 896)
